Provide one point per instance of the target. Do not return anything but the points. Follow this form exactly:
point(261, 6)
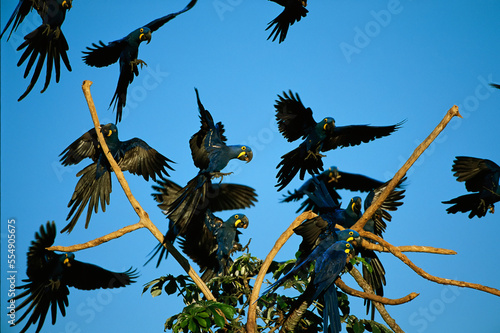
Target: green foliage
point(354, 325)
point(201, 316)
point(232, 292)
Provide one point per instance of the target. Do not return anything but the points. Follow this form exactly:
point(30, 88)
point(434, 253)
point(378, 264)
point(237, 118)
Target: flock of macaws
point(205, 238)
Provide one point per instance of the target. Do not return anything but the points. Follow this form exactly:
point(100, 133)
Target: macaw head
point(239, 221)
point(327, 124)
point(331, 174)
point(145, 34)
point(347, 235)
point(67, 259)
point(245, 154)
point(109, 130)
point(355, 205)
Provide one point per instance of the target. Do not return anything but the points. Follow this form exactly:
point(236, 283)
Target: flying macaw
point(295, 122)
point(481, 176)
point(220, 196)
point(45, 42)
point(126, 51)
point(333, 180)
point(94, 186)
point(50, 274)
point(211, 245)
point(210, 154)
point(293, 12)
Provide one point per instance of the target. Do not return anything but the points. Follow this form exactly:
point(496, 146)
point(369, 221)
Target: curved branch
point(252, 308)
point(380, 307)
point(359, 225)
point(97, 241)
point(389, 301)
point(408, 248)
point(143, 215)
point(397, 253)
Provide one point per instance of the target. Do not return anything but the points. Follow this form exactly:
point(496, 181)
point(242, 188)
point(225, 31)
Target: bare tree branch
point(396, 252)
point(252, 308)
point(97, 241)
point(359, 225)
point(407, 248)
point(389, 301)
point(380, 307)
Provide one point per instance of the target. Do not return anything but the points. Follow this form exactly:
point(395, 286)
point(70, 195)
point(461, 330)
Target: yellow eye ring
point(236, 216)
point(141, 30)
point(348, 245)
point(351, 233)
point(243, 148)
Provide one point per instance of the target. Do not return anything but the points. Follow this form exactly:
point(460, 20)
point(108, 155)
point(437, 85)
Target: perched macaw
point(220, 196)
point(333, 180)
point(126, 50)
point(293, 12)
point(45, 42)
point(329, 216)
point(211, 245)
point(210, 154)
point(480, 176)
point(94, 187)
point(324, 241)
point(50, 274)
point(295, 122)
point(329, 263)
point(327, 269)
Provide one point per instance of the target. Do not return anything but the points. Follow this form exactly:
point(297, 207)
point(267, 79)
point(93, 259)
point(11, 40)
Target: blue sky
point(361, 62)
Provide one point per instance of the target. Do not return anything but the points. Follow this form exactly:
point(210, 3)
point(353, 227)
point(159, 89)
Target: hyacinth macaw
point(126, 51)
point(47, 42)
point(296, 121)
point(50, 274)
point(481, 176)
point(94, 186)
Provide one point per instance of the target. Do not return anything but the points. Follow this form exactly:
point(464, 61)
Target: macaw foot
point(46, 30)
point(219, 175)
point(315, 155)
point(492, 208)
point(137, 62)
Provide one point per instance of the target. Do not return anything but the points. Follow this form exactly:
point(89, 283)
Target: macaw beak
point(66, 4)
point(350, 239)
point(241, 223)
point(66, 261)
point(245, 156)
point(146, 36)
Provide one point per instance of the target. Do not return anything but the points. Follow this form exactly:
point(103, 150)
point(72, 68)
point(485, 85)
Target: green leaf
point(192, 326)
point(218, 319)
point(228, 310)
point(203, 323)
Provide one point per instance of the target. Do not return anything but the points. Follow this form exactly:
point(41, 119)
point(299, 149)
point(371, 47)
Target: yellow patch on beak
point(350, 239)
point(238, 222)
point(324, 126)
point(66, 262)
point(347, 251)
point(109, 133)
point(242, 154)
